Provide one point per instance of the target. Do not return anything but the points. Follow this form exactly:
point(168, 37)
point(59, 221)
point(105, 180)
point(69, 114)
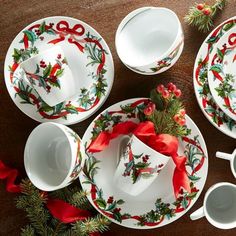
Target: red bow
point(163, 143)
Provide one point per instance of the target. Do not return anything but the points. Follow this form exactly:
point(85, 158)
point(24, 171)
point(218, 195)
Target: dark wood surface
point(105, 16)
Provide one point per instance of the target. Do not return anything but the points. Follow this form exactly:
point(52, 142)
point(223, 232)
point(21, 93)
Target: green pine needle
point(28, 230)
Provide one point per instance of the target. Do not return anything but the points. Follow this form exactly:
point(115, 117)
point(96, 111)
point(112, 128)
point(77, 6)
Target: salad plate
point(157, 205)
point(87, 54)
point(208, 105)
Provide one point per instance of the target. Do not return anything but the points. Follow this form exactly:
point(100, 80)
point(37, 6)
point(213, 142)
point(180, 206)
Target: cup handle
point(199, 213)
point(25, 77)
point(123, 142)
point(224, 156)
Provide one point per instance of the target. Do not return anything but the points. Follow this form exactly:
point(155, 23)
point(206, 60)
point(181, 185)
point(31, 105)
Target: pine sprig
point(91, 225)
point(42, 223)
point(166, 111)
point(201, 15)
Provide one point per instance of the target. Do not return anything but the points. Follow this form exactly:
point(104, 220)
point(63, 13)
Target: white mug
point(49, 74)
point(54, 156)
point(229, 157)
point(138, 165)
point(219, 206)
point(149, 40)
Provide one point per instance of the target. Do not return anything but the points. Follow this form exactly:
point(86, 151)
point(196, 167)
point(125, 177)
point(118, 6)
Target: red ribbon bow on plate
point(163, 143)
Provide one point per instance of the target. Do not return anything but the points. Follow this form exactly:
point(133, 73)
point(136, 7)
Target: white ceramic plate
point(88, 56)
point(200, 80)
point(222, 73)
point(157, 205)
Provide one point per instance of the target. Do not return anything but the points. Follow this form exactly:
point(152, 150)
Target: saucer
point(200, 80)
point(157, 205)
point(89, 58)
point(222, 73)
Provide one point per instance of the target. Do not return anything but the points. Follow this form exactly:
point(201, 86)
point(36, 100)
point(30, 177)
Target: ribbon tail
point(80, 47)
point(55, 41)
point(65, 212)
point(10, 175)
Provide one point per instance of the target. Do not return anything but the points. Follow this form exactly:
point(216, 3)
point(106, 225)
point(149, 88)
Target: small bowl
point(149, 40)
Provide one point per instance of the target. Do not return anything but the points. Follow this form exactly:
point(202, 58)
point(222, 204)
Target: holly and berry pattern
point(47, 75)
point(112, 207)
point(139, 166)
point(204, 96)
point(86, 43)
point(167, 61)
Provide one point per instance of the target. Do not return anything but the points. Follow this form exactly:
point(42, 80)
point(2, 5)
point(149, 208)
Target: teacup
point(138, 165)
point(219, 206)
point(229, 157)
point(149, 40)
point(53, 156)
point(49, 74)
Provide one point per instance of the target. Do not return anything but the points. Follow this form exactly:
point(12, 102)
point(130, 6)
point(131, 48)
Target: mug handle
point(199, 213)
point(224, 155)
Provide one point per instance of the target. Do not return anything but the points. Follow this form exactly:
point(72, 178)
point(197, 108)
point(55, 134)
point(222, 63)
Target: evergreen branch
point(97, 224)
point(28, 230)
point(201, 15)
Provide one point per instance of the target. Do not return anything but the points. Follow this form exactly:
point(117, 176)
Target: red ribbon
point(163, 143)
point(59, 209)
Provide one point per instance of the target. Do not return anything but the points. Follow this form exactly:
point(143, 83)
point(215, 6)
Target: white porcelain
point(208, 105)
point(222, 73)
point(149, 40)
point(219, 206)
point(129, 176)
point(123, 208)
point(53, 156)
point(53, 80)
point(229, 157)
point(89, 59)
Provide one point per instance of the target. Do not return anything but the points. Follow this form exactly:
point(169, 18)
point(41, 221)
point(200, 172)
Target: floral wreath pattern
point(206, 101)
point(112, 208)
point(85, 42)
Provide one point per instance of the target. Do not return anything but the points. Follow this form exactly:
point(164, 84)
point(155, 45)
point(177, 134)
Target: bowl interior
point(146, 36)
point(48, 156)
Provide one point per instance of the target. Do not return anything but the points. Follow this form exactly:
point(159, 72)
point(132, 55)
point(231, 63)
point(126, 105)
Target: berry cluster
point(168, 92)
point(149, 109)
point(145, 158)
point(180, 117)
point(43, 64)
point(110, 200)
point(59, 56)
point(205, 9)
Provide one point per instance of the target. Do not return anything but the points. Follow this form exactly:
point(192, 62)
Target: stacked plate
point(215, 77)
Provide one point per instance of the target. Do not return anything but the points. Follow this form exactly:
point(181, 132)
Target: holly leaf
point(184, 203)
point(157, 99)
point(211, 39)
point(58, 108)
point(217, 68)
point(37, 69)
point(117, 216)
point(42, 27)
point(192, 195)
point(120, 201)
point(30, 35)
point(220, 54)
point(47, 70)
point(50, 31)
point(71, 109)
point(228, 26)
point(16, 55)
point(194, 177)
point(59, 72)
point(101, 203)
point(111, 207)
point(46, 108)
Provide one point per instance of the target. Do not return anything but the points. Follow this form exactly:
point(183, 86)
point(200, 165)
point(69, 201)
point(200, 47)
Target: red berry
point(177, 93)
point(171, 87)
point(200, 6)
point(181, 191)
point(182, 112)
point(165, 94)
point(149, 109)
point(182, 122)
point(110, 200)
point(206, 11)
point(176, 118)
point(160, 88)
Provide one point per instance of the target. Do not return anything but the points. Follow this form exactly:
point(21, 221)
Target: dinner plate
point(88, 57)
point(157, 205)
point(200, 80)
point(222, 73)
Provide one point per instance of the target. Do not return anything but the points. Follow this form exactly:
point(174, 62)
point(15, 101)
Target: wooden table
point(105, 16)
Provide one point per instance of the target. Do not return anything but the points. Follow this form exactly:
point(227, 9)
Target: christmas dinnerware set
point(142, 161)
